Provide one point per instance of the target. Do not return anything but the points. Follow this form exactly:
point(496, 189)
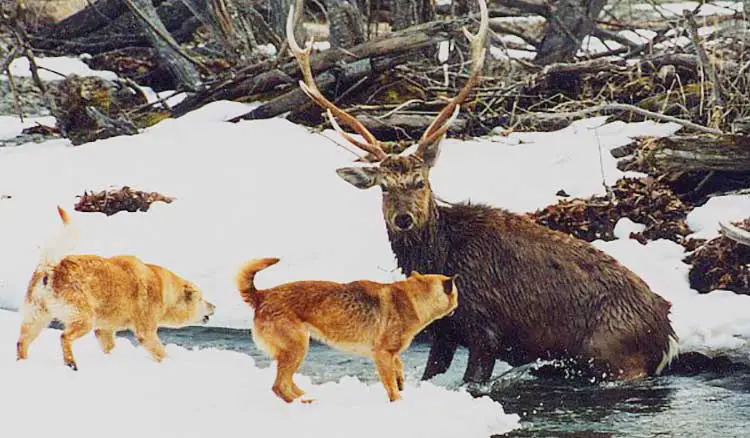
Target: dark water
point(707, 404)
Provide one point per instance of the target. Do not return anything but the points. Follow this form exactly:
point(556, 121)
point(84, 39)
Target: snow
point(200, 393)
point(268, 188)
point(11, 126)
point(55, 68)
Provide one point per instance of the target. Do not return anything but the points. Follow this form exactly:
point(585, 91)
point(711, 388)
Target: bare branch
point(734, 233)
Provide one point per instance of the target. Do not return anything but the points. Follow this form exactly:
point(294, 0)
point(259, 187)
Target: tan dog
point(377, 320)
point(87, 292)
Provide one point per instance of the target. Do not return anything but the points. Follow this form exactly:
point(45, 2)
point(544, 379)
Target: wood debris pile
point(113, 201)
point(643, 201)
point(721, 263)
point(88, 108)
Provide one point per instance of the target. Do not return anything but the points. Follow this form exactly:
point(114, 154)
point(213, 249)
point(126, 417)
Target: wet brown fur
point(377, 320)
point(87, 292)
point(528, 292)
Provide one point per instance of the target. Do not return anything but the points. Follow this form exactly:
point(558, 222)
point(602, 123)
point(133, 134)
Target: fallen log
point(266, 77)
point(95, 16)
point(181, 65)
point(727, 153)
point(108, 25)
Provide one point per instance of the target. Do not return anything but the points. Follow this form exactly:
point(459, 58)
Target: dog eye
point(419, 184)
point(189, 294)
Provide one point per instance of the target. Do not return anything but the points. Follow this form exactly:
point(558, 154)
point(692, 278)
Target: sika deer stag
point(528, 292)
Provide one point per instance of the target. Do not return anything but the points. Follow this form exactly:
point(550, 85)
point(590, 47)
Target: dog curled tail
point(60, 245)
point(245, 278)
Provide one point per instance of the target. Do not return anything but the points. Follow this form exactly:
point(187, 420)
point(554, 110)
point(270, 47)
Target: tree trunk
point(345, 23)
point(182, 69)
point(405, 13)
point(96, 15)
point(227, 25)
point(279, 10)
point(729, 153)
point(567, 24)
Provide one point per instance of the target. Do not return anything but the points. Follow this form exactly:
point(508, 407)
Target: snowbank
point(208, 392)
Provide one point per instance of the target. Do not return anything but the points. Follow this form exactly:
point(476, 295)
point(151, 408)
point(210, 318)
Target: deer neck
point(421, 249)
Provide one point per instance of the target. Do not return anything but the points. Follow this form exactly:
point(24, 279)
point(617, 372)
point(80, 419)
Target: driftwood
point(728, 153)
point(108, 25)
point(263, 78)
point(567, 24)
point(182, 67)
point(95, 16)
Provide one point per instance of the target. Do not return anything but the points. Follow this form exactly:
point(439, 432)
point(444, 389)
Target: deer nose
point(403, 221)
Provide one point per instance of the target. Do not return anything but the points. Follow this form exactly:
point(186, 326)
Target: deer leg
point(441, 355)
point(480, 366)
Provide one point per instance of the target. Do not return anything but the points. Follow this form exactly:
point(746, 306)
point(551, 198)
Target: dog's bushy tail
point(245, 278)
point(61, 244)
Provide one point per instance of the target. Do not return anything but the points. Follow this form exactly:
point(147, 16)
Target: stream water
point(703, 405)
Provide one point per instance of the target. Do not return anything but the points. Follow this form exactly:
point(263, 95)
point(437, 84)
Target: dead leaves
point(644, 201)
point(721, 263)
point(110, 202)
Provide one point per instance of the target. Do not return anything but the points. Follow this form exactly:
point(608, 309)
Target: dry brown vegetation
point(112, 201)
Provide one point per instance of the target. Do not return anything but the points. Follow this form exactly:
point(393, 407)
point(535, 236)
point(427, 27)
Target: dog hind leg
point(31, 327)
point(287, 342)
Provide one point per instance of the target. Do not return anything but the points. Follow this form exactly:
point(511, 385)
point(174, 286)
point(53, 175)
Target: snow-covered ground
point(203, 393)
point(268, 188)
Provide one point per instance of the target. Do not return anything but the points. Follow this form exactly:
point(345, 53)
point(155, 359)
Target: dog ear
point(449, 285)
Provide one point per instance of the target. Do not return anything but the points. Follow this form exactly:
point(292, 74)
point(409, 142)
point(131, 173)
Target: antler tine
point(447, 115)
point(371, 144)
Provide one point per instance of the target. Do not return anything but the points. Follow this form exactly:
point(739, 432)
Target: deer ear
point(431, 152)
point(359, 177)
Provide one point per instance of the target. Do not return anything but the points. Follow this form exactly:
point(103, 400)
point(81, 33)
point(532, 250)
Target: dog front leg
point(441, 355)
point(74, 328)
point(151, 342)
point(106, 339)
point(399, 369)
point(384, 362)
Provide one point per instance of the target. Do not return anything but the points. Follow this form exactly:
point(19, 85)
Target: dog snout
point(403, 221)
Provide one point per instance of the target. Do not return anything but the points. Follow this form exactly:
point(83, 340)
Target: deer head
point(403, 178)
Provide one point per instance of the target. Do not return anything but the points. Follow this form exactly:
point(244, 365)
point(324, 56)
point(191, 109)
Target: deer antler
point(371, 144)
point(445, 118)
point(735, 233)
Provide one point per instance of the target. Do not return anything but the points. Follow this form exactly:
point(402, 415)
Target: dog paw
point(72, 366)
point(307, 400)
